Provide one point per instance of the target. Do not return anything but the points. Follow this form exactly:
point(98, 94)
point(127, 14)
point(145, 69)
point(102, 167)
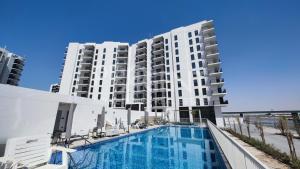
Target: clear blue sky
point(259, 39)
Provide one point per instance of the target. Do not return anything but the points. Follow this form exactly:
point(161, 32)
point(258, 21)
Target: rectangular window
point(78, 63)
point(104, 50)
point(178, 67)
point(96, 50)
point(109, 104)
point(168, 77)
point(169, 94)
point(180, 102)
point(198, 102)
point(202, 82)
point(193, 65)
point(205, 101)
point(190, 41)
point(190, 34)
point(191, 49)
point(91, 96)
point(179, 84)
point(96, 57)
point(200, 64)
point(115, 49)
point(168, 69)
point(103, 62)
point(80, 51)
point(101, 75)
point(95, 63)
point(99, 96)
point(195, 82)
point(167, 47)
point(99, 89)
point(73, 89)
point(178, 76)
point(198, 48)
point(78, 57)
point(194, 74)
point(110, 96)
point(77, 69)
point(92, 83)
point(114, 55)
point(199, 55)
point(176, 52)
point(114, 62)
point(167, 55)
point(166, 41)
point(201, 72)
point(100, 82)
point(91, 89)
point(93, 76)
point(111, 89)
point(192, 57)
point(204, 91)
point(175, 37)
point(177, 59)
point(169, 103)
point(196, 92)
point(197, 40)
point(196, 32)
point(179, 93)
point(167, 62)
point(103, 57)
point(169, 85)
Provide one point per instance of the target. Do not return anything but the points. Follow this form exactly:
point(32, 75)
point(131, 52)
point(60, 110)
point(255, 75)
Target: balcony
point(141, 49)
point(220, 103)
point(122, 63)
point(122, 55)
point(214, 63)
point(216, 73)
point(158, 64)
point(211, 47)
point(158, 58)
point(140, 60)
point(210, 40)
point(86, 63)
point(212, 55)
point(121, 75)
point(158, 43)
point(220, 92)
point(158, 78)
point(158, 51)
point(122, 50)
point(217, 82)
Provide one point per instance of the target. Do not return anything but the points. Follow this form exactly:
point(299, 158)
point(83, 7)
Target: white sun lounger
point(112, 132)
point(32, 152)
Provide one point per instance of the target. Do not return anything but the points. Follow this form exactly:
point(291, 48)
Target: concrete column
point(191, 115)
point(219, 117)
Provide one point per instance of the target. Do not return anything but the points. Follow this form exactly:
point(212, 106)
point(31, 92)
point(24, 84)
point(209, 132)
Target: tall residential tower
point(174, 74)
point(11, 67)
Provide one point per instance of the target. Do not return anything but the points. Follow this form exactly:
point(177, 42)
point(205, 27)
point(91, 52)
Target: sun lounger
point(114, 131)
point(32, 152)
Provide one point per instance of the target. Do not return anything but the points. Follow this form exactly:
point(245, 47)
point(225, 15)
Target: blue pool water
point(162, 148)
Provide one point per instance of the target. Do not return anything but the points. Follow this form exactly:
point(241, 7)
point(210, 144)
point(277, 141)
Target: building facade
point(11, 67)
point(176, 75)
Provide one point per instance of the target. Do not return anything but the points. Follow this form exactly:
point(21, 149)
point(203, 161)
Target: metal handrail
point(237, 156)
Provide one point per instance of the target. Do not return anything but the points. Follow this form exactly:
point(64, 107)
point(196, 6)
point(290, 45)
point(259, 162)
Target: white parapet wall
point(26, 112)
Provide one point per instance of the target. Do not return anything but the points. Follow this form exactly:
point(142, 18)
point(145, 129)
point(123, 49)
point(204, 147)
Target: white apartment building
point(176, 74)
point(11, 67)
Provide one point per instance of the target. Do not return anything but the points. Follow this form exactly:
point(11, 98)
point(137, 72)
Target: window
point(167, 62)
point(197, 40)
point(195, 82)
point(99, 89)
point(191, 49)
point(99, 96)
point(115, 49)
point(193, 65)
point(78, 57)
point(101, 75)
point(109, 104)
point(190, 34)
point(201, 72)
point(110, 96)
point(96, 57)
point(91, 90)
point(78, 63)
point(196, 92)
point(103, 57)
point(190, 41)
point(91, 96)
point(80, 51)
point(112, 75)
point(202, 82)
point(179, 93)
point(178, 76)
point(104, 50)
point(169, 85)
point(176, 44)
point(194, 74)
point(175, 37)
point(198, 48)
point(177, 59)
point(197, 102)
point(179, 84)
point(73, 89)
point(169, 94)
point(168, 77)
point(167, 55)
point(167, 47)
point(77, 69)
point(196, 32)
point(192, 57)
point(102, 69)
point(75, 76)
point(199, 55)
point(114, 62)
point(114, 56)
point(204, 91)
point(176, 52)
point(103, 62)
point(93, 76)
point(166, 41)
point(169, 102)
point(178, 67)
point(96, 50)
point(168, 69)
point(100, 82)
point(205, 101)
point(180, 102)
point(95, 63)
point(200, 64)
point(92, 83)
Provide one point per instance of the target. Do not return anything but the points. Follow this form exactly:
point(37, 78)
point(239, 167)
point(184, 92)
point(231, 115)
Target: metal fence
point(237, 156)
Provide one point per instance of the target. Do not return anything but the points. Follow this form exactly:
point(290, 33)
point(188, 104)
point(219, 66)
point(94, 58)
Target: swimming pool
point(172, 147)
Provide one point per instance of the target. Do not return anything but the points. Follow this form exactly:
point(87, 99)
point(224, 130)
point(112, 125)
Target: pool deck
point(92, 140)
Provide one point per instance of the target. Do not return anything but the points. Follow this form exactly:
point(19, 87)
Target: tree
point(259, 126)
point(289, 136)
point(247, 120)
